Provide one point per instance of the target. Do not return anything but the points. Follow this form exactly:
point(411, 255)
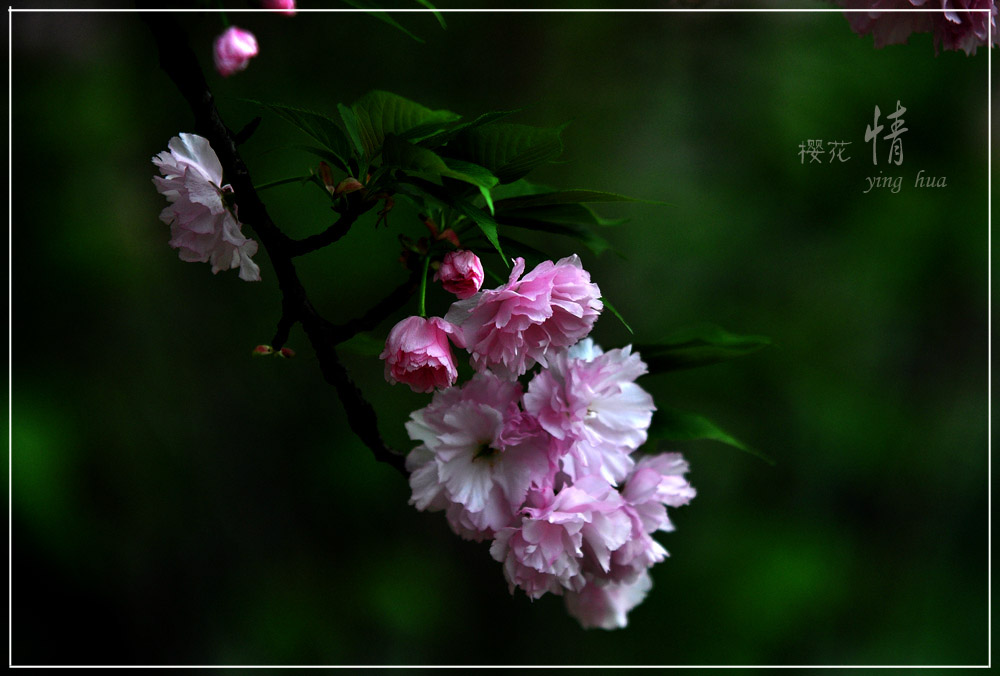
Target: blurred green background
point(175, 501)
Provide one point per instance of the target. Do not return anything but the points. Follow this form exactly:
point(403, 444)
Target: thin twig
point(180, 64)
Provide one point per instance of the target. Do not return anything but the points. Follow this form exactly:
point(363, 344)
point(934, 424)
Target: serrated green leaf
point(471, 173)
point(669, 424)
point(316, 125)
point(510, 151)
point(381, 113)
point(412, 158)
point(350, 120)
point(323, 154)
point(567, 197)
point(698, 346)
point(458, 126)
point(485, 223)
point(571, 219)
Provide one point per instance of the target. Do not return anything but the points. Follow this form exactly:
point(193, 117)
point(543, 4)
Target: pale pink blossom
point(510, 328)
point(287, 6)
point(461, 273)
point(547, 551)
point(593, 407)
point(606, 606)
point(202, 227)
point(655, 483)
point(233, 50)
point(953, 30)
point(417, 353)
point(479, 455)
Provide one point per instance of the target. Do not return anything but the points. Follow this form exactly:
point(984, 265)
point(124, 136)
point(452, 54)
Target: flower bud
point(233, 50)
point(461, 273)
point(349, 184)
point(326, 176)
point(262, 351)
point(286, 352)
point(417, 353)
point(287, 6)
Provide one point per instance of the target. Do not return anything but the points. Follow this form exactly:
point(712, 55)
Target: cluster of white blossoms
point(549, 473)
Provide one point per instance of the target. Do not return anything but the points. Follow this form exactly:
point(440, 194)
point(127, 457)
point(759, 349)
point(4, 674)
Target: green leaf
point(510, 151)
point(351, 125)
point(316, 125)
point(567, 197)
point(437, 14)
point(471, 173)
point(669, 424)
point(577, 214)
point(616, 314)
point(582, 233)
point(485, 223)
point(571, 220)
point(698, 346)
point(412, 158)
point(381, 16)
point(323, 154)
point(456, 127)
point(518, 188)
point(382, 113)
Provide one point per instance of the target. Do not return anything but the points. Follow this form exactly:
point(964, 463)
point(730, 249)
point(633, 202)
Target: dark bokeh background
point(175, 501)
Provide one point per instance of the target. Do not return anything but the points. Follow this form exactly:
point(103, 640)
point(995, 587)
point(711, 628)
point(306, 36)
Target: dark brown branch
point(379, 312)
point(300, 247)
point(179, 62)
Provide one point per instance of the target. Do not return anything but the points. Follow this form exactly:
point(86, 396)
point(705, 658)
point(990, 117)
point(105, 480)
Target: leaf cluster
point(465, 171)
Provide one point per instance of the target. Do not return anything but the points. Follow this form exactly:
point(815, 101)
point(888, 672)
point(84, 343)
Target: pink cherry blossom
point(417, 353)
point(593, 407)
point(202, 227)
point(479, 455)
point(953, 30)
point(547, 551)
point(233, 50)
point(655, 483)
point(606, 606)
point(288, 6)
point(461, 273)
point(510, 328)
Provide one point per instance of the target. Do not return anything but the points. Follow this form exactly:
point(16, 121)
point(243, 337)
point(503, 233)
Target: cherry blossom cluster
point(546, 470)
point(959, 25)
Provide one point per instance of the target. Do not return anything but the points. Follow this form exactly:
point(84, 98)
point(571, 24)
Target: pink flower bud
point(286, 352)
point(461, 273)
point(417, 353)
point(326, 176)
point(262, 350)
point(348, 185)
point(233, 50)
point(288, 6)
